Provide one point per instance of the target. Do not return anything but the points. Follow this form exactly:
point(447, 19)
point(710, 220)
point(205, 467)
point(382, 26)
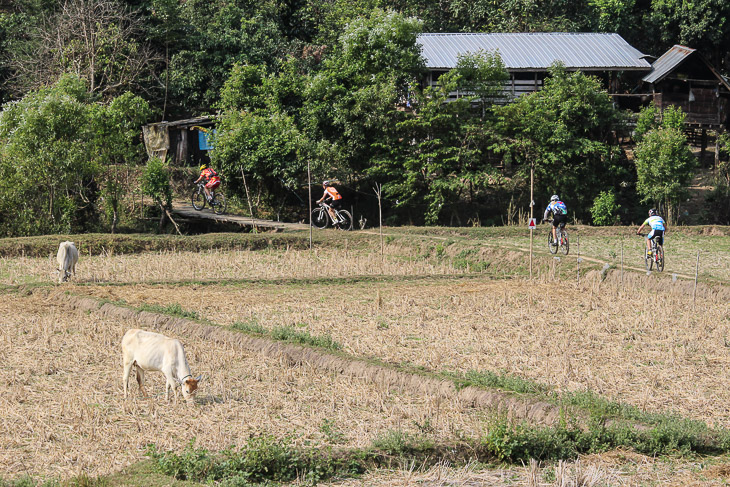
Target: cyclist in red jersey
point(335, 200)
point(212, 178)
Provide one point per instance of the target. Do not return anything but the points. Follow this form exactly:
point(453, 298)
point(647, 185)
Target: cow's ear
point(199, 378)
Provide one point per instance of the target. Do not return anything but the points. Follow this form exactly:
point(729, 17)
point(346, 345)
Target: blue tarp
point(205, 139)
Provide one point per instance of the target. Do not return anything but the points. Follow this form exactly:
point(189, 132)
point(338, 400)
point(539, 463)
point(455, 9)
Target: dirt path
point(518, 248)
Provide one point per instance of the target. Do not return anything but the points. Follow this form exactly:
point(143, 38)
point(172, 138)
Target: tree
point(566, 131)
point(664, 163)
point(440, 158)
point(97, 40)
point(350, 104)
point(156, 184)
point(55, 143)
point(116, 146)
point(47, 168)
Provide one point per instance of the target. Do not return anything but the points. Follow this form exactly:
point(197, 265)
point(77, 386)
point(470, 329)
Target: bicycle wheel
point(552, 248)
point(219, 203)
point(320, 218)
point(198, 199)
point(347, 224)
point(564, 245)
point(659, 258)
point(648, 260)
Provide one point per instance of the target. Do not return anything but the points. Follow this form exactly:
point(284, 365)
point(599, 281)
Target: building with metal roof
point(682, 77)
point(537, 51)
point(528, 56)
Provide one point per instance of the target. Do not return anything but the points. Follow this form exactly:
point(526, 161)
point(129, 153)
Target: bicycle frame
point(329, 207)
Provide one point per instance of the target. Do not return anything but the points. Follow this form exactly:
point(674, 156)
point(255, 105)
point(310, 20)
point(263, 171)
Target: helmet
point(203, 166)
point(325, 183)
point(554, 198)
point(652, 212)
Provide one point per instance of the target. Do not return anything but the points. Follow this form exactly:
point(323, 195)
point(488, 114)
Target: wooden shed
point(683, 77)
point(182, 142)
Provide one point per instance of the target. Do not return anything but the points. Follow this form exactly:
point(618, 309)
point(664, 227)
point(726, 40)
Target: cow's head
point(189, 387)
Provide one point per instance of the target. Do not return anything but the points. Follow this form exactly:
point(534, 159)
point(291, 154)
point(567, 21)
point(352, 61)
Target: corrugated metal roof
point(667, 62)
point(536, 51)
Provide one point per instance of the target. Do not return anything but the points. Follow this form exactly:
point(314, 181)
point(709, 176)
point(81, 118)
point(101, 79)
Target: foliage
point(350, 103)
point(442, 151)
point(156, 182)
point(664, 162)
point(262, 459)
point(566, 131)
point(605, 209)
point(100, 41)
point(45, 160)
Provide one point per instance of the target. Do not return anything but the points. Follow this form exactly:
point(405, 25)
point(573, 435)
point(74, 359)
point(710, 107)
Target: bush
point(605, 210)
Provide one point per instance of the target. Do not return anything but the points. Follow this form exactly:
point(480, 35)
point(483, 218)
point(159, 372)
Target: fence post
point(378, 190)
point(309, 187)
point(697, 271)
point(577, 244)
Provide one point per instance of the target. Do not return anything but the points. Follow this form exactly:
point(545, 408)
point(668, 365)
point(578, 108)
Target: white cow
point(67, 258)
point(150, 351)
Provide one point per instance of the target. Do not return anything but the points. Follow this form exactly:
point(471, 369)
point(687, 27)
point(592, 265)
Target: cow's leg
point(125, 379)
point(140, 380)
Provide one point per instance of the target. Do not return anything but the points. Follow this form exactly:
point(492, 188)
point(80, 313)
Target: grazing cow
point(67, 258)
point(150, 351)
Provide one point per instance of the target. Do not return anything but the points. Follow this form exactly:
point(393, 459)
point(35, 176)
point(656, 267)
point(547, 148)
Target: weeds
point(263, 459)
point(172, 309)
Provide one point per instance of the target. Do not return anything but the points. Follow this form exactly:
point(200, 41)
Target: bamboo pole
point(309, 187)
point(697, 271)
point(532, 204)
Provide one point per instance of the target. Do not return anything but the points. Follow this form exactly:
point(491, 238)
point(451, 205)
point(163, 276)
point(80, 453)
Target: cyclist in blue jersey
point(658, 227)
point(560, 215)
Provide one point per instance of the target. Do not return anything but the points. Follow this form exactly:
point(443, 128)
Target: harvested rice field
point(63, 410)
point(653, 351)
point(454, 308)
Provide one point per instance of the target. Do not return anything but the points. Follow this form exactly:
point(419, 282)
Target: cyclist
point(658, 227)
point(560, 215)
point(211, 177)
point(335, 200)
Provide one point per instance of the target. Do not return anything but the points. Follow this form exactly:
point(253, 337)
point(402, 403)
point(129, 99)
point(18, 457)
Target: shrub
point(605, 210)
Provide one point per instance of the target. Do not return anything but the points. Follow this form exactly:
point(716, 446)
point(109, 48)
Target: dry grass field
point(657, 352)
point(62, 411)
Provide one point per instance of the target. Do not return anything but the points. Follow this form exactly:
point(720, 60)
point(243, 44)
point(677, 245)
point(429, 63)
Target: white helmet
point(554, 198)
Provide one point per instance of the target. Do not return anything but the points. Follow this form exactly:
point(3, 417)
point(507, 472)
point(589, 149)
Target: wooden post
point(378, 190)
point(248, 198)
point(309, 187)
point(577, 244)
point(697, 271)
point(532, 204)
point(622, 262)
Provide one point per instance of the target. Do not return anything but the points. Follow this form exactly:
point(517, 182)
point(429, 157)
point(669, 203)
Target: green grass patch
point(263, 459)
point(288, 334)
point(173, 309)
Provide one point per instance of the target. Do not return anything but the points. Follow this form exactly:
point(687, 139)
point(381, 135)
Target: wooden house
point(182, 142)
point(684, 78)
point(528, 56)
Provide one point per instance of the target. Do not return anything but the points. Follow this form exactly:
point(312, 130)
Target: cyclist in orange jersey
point(335, 200)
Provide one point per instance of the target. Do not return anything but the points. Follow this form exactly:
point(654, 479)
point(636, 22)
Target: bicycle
point(655, 256)
point(217, 199)
point(562, 235)
point(321, 218)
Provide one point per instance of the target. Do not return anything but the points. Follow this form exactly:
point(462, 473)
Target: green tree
point(155, 183)
point(350, 104)
point(47, 166)
point(440, 158)
point(664, 164)
point(116, 146)
point(566, 131)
